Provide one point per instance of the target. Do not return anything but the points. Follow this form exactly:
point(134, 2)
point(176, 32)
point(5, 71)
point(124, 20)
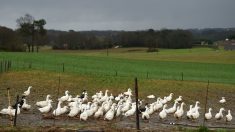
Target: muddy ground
point(33, 118)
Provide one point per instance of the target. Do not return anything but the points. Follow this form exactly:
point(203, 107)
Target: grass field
point(94, 71)
point(199, 64)
point(48, 83)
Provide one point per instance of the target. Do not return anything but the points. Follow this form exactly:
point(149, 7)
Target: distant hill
point(213, 34)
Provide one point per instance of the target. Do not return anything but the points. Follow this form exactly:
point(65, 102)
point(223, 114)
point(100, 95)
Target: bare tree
point(31, 29)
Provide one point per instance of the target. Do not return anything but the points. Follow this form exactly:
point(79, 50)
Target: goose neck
point(221, 110)
point(209, 110)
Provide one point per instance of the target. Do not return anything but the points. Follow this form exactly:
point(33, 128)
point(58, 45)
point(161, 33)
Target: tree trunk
point(32, 42)
point(33, 35)
point(28, 47)
point(32, 48)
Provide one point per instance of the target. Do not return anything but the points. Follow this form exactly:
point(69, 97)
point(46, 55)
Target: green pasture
point(198, 64)
point(158, 74)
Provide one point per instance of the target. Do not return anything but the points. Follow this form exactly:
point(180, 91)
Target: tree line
point(149, 38)
point(10, 40)
point(28, 36)
point(31, 34)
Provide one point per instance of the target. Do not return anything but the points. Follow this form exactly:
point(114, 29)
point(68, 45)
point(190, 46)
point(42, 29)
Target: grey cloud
point(121, 14)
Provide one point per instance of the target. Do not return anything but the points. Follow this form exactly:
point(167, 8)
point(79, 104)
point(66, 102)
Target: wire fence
point(7, 65)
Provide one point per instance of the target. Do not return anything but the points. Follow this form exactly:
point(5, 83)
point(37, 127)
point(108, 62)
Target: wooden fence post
point(206, 102)
point(17, 100)
point(9, 104)
point(58, 92)
point(182, 76)
point(107, 51)
point(17, 64)
point(5, 64)
point(1, 67)
point(63, 66)
point(30, 65)
point(137, 108)
point(8, 65)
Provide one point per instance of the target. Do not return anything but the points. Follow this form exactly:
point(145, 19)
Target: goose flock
point(107, 107)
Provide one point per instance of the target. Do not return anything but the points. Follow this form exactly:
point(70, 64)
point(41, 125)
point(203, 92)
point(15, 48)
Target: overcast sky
point(121, 14)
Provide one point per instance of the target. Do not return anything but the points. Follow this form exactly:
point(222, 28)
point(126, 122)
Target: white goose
point(75, 98)
point(196, 106)
point(151, 109)
point(119, 97)
point(107, 105)
point(105, 97)
point(93, 109)
point(196, 113)
point(222, 100)
point(85, 106)
point(208, 115)
point(6, 111)
point(25, 106)
point(47, 108)
point(179, 99)
point(90, 112)
point(59, 111)
point(12, 111)
point(73, 104)
point(84, 115)
point(70, 98)
point(110, 114)
point(180, 111)
point(172, 109)
point(100, 112)
point(64, 98)
point(95, 106)
point(85, 99)
point(56, 112)
point(189, 112)
point(26, 93)
point(118, 111)
point(74, 111)
point(157, 105)
point(129, 92)
point(131, 111)
point(169, 98)
point(229, 116)
point(145, 114)
point(94, 96)
point(126, 106)
point(163, 113)
point(151, 96)
point(63, 110)
point(163, 101)
point(100, 94)
point(43, 103)
point(219, 115)
point(111, 96)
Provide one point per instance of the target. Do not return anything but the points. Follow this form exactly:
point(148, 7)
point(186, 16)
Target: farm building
point(229, 44)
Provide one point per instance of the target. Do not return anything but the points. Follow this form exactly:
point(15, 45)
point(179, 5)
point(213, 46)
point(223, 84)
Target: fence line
point(5, 65)
point(83, 70)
